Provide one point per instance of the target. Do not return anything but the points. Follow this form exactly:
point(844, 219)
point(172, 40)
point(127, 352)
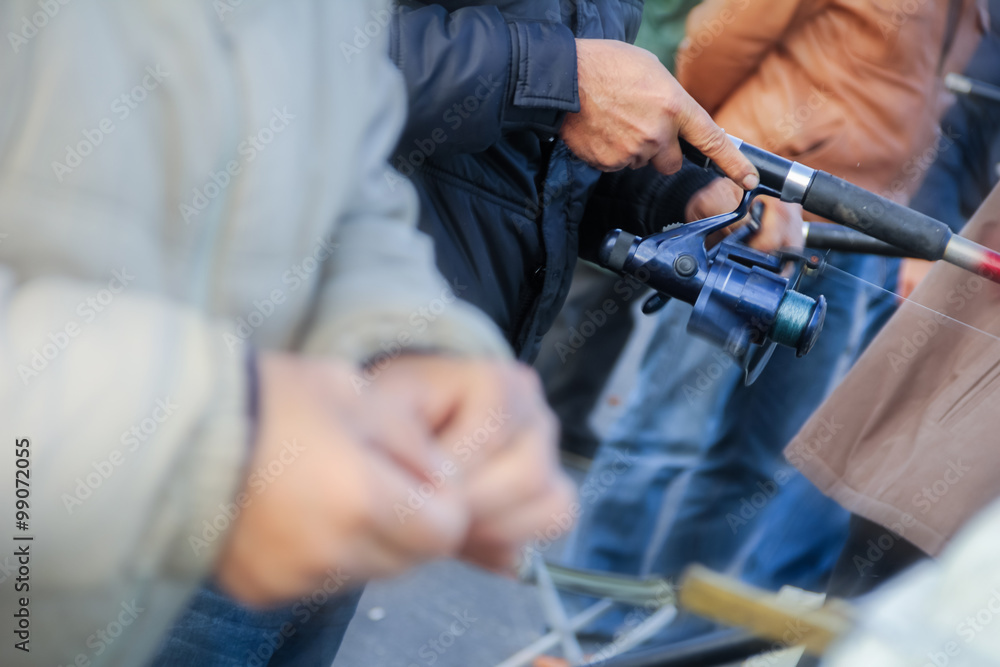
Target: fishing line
point(839, 274)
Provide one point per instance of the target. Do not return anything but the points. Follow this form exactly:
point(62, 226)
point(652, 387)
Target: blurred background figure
point(939, 614)
point(208, 291)
point(847, 87)
point(887, 472)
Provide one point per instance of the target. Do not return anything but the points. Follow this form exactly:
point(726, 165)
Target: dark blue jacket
point(507, 203)
point(967, 167)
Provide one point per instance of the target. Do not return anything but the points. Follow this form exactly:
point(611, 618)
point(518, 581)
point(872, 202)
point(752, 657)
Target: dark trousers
point(872, 556)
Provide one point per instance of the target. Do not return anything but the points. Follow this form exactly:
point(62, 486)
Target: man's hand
point(911, 273)
point(780, 226)
point(498, 438)
point(328, 471)
point(718, 197)
point(632, 111)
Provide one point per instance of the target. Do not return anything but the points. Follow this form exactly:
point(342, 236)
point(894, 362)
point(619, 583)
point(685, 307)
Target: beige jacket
point(181, 180)
point(910, 437)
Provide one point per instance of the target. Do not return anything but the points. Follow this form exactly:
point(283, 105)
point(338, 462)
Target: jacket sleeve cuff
point(543, 81)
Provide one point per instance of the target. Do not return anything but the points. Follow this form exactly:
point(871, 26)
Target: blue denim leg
point(669, 415)
point(737, 475)
point(774, 555)
point(787, 550)
point(217, 631)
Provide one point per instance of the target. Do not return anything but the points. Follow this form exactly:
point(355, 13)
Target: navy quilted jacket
point(507, 203)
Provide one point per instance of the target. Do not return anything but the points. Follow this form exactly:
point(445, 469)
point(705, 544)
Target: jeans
point(217, 631)
point(705, 480)
point(573, 375)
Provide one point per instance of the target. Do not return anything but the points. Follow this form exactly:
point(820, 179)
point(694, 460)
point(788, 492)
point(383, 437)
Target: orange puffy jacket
point(853, 87)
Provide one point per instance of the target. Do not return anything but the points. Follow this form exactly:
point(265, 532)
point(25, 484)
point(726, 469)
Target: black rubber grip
point(829, 236)
point(694, 155)
point(840, 201)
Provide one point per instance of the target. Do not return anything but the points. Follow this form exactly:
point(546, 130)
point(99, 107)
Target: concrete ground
point(444, 614)
point(449, 614)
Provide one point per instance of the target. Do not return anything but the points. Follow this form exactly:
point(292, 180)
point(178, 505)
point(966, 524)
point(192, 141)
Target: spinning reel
point(741, 301)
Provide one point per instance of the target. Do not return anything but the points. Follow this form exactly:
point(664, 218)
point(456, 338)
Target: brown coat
point(911, 437)
point(852, 87)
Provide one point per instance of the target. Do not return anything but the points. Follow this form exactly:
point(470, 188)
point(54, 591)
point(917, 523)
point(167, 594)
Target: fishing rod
point(847, 204)
point(963, 85)
point(742, 301)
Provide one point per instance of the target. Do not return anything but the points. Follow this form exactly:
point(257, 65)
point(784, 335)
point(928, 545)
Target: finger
point(395, 426)
point(547, 514)
point(780, 226)
point(489, 416)
point(646, 154)
point(376, 557)
point(496, 558)
point(277, 585)
point(700, 130)
point(517, 474)
point(720, 196)
point(420, 518)
point(669, 159)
